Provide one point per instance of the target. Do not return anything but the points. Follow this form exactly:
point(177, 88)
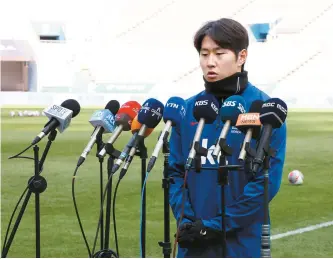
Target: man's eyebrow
point(205, 49)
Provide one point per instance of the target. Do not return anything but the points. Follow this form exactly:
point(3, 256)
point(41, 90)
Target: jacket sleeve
point(249, 205)
point(177, 172)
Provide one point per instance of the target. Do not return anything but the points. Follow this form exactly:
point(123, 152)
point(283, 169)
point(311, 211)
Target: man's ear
point(242, 56)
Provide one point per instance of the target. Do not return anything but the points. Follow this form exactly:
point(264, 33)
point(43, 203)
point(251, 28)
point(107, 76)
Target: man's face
point(218, 63)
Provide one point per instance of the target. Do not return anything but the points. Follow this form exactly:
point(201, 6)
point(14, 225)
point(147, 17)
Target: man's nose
point(211, 61)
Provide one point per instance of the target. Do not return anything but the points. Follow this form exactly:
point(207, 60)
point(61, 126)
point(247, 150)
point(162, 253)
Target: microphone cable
point(121, 175)
point(181, 215)
point(77, 211)
point(101, 214)
point(18, 155)
point(11, 218)
point(114, 215)
point(21, 197)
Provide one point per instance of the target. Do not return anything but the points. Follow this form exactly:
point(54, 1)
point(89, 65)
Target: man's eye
point(219, 53)
point(204, 54)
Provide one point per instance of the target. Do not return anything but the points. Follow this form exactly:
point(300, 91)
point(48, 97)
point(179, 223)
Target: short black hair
point(227, 33)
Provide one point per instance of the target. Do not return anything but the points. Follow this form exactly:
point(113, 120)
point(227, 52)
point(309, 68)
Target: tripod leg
point(37, 207)
point(143, 234)
point(17, 223)
point(224, 234)
point(101, 198)
point(37, 183)
point(167, 248)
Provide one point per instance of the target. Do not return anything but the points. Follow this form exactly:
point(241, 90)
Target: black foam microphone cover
point(206, 107)
point(273, 112)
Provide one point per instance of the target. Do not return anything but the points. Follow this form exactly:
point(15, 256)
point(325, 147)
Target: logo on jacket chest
point(209, 158)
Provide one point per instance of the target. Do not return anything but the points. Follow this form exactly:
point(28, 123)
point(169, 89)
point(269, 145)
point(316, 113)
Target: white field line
point(302, 230)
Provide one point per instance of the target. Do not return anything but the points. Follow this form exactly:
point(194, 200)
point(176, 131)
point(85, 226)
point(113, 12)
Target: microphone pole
point(99, 146)
point(143, 156)
point(223, 172)
point(265, 229)
point(166, 245)
point(36, 184)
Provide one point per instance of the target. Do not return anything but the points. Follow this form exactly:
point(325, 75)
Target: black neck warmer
point(232, 85)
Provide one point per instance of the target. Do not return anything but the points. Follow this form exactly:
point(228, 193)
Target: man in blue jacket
point(222, 47)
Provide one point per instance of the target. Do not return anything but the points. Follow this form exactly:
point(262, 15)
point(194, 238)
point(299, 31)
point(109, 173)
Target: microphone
point(60, 117)
point(272, 116)
point(249, 123)
point(149, 116)
point(104, 122)
point(135, 127)
point(124, 117)
point(230, 110)
point(205, 111)
point(174, 113)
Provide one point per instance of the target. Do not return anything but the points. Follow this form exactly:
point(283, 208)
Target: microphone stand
point(105, 251)
point(36, 184)
point(142, 153)
point(223, 171)
point(265, 229)
point(166, 245)
point(99, 146)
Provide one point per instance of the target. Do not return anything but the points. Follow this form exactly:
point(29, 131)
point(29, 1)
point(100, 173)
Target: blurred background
point(130, 49)
point(96, 51)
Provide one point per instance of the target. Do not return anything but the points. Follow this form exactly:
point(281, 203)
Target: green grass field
point(310, 150)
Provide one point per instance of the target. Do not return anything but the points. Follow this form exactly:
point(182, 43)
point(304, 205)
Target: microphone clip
point(141, 149)
point(200, 151)
point(250, 152)
point(226, 150)
point(269, 152)
point(111, 151)
point(166, 146)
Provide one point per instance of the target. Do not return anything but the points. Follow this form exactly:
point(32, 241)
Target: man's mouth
point(211, 74)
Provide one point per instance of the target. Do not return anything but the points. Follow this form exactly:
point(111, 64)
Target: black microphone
point(272, 116)
point(205, 112)
point(60, 117)
point(249, 123)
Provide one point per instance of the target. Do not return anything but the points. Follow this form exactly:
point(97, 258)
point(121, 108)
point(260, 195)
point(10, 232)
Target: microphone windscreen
point(127, 113)
point(131, 108)
point(274, 112)
point(206, 107)
point(73, 105)
point(256, 106)
point(251, 119)
point(113, 106)
point(174, 110)
point(103, 118)
point(136, 125)
point(232, 107)
point(151, 112)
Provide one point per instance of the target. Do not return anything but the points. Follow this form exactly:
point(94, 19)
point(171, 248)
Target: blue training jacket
point(244, 196)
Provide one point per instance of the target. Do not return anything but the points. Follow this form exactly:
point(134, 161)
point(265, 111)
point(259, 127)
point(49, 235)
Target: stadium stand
point(148, 48)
